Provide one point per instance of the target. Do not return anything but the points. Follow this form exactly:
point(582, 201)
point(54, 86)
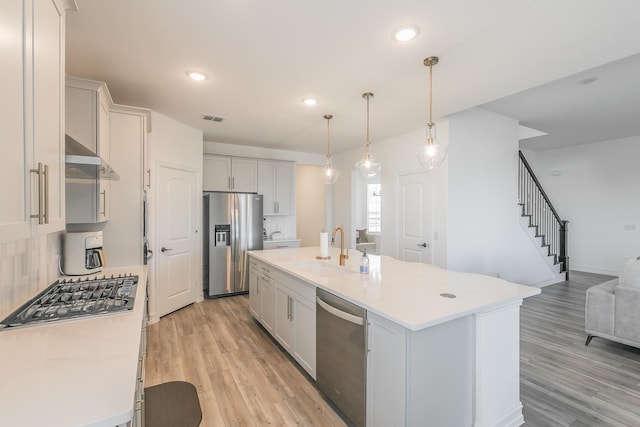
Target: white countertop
point(79, 372)
point(403, 292)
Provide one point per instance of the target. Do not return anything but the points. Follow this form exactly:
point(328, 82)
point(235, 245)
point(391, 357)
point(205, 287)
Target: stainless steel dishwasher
point(341, 354)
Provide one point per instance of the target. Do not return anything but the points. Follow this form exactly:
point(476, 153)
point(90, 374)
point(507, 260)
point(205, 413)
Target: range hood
point(82, 163)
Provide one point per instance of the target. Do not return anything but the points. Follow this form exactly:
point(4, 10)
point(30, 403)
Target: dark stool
point(172, 404)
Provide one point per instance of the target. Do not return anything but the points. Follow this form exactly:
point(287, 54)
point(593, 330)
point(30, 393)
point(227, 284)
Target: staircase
point(542, 221)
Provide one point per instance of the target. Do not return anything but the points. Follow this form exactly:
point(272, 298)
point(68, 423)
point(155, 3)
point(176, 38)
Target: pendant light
point(431, 154)
point(368, 166)
point(329, 173)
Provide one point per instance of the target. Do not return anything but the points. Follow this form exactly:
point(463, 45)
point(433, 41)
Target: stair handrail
point(558, 241)
point(535, 179)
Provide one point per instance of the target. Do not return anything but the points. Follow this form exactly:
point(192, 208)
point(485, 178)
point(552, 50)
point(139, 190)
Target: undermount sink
point(322, 269)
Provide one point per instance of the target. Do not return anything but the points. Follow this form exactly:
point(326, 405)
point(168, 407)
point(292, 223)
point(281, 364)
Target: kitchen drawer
point(304, 289)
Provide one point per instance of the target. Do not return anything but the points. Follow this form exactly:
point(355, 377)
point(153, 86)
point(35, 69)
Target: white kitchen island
point(443, 347)
point(85, 371)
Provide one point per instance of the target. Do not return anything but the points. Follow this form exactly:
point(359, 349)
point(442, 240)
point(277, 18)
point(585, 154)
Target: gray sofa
point(612, 309)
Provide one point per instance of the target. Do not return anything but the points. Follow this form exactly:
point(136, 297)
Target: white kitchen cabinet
point(286, 308)
point(32, 160)
point(123, 233)
point(255, 304)
point(262, 295)
point(276, 182)
point(87, 121)
point(284, 323)
point(386, 366)
point(14, 212)
point(304, 333)
point(296, 320)
point(236, 174)
point(268, 296)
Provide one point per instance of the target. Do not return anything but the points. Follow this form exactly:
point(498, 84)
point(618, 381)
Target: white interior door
point(177, 280)
point(416, 202)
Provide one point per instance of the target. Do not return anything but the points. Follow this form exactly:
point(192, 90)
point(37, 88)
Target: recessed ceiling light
point(310, 101)
point(194, 75)
point(406, 33)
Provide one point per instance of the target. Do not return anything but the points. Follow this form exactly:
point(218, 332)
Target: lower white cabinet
point(304, 333)
point(284, 322)
point(268, 295)
point(255, 304)
point(285, 306)
point(262, 295)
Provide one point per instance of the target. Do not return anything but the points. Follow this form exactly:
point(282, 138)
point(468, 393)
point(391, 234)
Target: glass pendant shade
point(431, 154)
point(329, 174)
point(368, 166)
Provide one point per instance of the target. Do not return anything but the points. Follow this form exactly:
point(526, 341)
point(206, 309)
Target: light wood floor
point(242, 376)
point(245, 379)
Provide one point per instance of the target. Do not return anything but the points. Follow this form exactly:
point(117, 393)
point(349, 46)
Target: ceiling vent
point(212, 118)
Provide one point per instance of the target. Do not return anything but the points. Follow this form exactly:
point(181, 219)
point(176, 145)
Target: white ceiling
point(264, 57)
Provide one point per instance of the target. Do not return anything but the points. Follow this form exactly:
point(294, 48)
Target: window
point(373, 208)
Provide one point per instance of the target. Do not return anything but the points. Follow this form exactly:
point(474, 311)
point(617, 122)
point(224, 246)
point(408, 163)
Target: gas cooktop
point(71, 298)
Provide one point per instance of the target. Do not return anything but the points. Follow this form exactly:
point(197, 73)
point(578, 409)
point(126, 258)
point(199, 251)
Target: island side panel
point(440, 374)
point(497, 391)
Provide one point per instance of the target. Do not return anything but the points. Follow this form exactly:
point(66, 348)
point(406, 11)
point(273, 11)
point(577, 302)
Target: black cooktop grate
point(71, 298)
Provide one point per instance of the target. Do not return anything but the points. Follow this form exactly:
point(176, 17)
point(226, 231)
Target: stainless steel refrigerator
point(233, 226)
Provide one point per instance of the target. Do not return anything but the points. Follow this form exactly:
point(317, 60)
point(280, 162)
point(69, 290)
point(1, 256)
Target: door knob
point(424, 245)
point(163, 249)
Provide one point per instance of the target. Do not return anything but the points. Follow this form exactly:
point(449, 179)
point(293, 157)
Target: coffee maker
point(82, 253)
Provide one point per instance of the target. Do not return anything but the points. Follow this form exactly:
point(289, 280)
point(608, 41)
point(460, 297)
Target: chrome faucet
point(343, 257)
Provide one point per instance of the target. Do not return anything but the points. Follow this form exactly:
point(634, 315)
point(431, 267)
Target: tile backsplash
point(285, 224)
point(26, 267)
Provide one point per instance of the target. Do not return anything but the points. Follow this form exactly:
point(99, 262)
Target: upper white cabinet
point(31, 114)
point(87, 121)
point(236, 174)
point(276, 184)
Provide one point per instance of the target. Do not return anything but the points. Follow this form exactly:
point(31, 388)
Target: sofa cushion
point(630, 274)
point(600, 308)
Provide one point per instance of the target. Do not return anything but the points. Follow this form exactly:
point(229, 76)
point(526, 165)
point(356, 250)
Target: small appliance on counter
point(82, 253)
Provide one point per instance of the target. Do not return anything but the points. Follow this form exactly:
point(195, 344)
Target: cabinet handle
point(229, 182)
point(149, 181)
point(43, 193)
point(233, 183)
point(103, 194)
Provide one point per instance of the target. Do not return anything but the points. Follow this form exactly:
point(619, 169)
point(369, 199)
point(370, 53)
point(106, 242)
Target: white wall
point(484, 232)
point(397, 156)
point(311, 210)
point(597, 188)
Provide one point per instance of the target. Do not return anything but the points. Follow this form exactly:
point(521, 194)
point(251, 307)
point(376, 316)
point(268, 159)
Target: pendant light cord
point(328, 117)
point(367, 96)
point(430, 93)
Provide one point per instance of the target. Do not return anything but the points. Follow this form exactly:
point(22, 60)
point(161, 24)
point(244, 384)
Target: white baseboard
point(594, 270)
